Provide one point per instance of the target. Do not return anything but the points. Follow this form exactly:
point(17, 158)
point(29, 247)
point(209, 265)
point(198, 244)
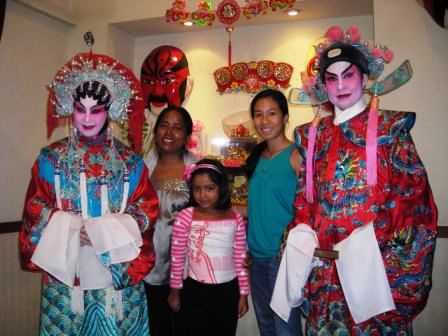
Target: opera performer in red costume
point(359, 253)
point(90, 209)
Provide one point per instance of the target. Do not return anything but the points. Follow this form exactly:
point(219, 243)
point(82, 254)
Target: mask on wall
point(165, 78)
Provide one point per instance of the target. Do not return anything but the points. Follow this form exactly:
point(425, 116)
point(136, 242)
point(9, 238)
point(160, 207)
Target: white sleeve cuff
point(295, 268)
point(363, 277)
point(58, 247)
point(117, 234)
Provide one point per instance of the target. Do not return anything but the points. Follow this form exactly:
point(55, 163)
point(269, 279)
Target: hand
point(174, 299)
point(247, 262)
point(283, 241)
point(84, 237)
point(243, 307)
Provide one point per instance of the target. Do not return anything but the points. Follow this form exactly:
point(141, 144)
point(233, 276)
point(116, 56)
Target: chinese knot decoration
point(228, 11)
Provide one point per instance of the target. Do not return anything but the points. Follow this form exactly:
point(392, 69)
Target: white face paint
point(88, 117)
point(344, 84)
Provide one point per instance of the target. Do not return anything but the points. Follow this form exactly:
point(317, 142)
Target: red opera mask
point(164, 77)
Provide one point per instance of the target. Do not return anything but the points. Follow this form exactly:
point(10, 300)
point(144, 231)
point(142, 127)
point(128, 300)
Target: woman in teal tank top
point(272, 169)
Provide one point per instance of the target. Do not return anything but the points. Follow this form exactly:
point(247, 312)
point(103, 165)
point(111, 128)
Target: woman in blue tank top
point(272, 169)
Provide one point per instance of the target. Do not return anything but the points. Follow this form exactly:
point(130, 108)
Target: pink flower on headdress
point(309, 83)
point(377, 52)
point(334, 34)
point(388, 55)
point(187, 172)
point(354, 33)
point(356, 37)
point(353, 29)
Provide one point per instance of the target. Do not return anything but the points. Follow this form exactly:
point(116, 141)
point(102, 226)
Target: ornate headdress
point(338, 46)
point(124, 88)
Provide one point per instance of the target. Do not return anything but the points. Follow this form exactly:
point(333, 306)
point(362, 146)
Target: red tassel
point(371, 146)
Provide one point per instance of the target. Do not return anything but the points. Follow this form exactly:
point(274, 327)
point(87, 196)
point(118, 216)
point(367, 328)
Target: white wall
point(31, 48)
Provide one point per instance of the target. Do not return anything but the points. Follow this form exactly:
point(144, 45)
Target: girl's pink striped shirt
point(208, 251)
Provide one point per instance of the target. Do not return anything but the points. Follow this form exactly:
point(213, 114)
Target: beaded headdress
point(124, 88)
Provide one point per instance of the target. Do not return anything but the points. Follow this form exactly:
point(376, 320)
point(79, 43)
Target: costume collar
point(343, 116)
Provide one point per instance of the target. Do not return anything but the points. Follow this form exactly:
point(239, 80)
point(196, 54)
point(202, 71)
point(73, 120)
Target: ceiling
point(309, 10)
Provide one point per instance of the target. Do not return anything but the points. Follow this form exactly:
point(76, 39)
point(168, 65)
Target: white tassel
point(119, 304)
point(83, 189)
point(104, 195)
point(57, 186)
point(77, 302)
point(114, 303)
point(125, 191)
point(108, 301)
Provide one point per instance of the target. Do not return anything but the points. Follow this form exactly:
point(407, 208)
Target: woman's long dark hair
point(282, 102)
point(219, 178)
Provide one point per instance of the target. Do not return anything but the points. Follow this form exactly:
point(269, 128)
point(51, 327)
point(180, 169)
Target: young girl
point(212, 239)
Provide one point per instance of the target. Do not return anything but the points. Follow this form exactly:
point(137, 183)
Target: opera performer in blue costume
point(90, 209)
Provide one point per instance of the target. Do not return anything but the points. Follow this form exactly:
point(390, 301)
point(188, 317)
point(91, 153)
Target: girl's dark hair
point(219, 178)
point(96, 90)
point(282, 102)
point(186, 118)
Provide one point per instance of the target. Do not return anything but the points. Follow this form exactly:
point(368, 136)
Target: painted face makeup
point(88, 117)
point(164, 76)
point(344, 83)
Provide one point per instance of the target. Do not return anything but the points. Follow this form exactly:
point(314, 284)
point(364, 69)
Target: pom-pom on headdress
point(124, 88)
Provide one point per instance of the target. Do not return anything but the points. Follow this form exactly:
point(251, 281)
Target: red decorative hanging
point(253, 77)
point(281, 4)
point(177, 12)
point(255, 7)
point(204, 15)
point(228, 12)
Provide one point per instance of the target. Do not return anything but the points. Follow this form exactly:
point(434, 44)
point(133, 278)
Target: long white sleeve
point(58, 247)
point(363, 277)
point(117, 234)
point(295, 267)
